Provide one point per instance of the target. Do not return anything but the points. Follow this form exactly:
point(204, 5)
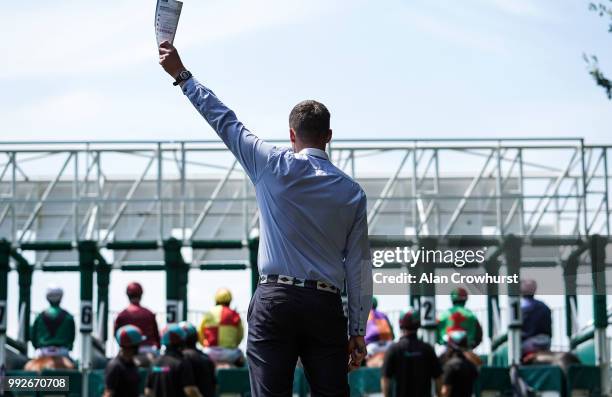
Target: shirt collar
point(314, 152)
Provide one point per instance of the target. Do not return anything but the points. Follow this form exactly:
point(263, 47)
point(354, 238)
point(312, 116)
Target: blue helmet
point(129, 335)
point(173, 335)
point(191, 333)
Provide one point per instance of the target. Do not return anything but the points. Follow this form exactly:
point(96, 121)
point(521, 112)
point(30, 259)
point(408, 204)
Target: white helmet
point(54, 294)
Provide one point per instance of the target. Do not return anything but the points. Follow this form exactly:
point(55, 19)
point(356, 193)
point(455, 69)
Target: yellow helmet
point(223, 296)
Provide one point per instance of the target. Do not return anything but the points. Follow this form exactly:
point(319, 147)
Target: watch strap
point(183, 76)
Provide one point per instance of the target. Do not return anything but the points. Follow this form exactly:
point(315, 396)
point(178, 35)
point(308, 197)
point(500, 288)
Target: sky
point(395, 69)
point(88, 70)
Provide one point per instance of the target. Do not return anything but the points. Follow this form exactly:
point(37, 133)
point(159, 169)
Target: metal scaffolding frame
point(153, 197)
point(524, 187)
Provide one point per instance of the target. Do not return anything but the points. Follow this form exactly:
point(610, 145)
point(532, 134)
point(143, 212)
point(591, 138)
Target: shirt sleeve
point(249, 150)
point(358, 270)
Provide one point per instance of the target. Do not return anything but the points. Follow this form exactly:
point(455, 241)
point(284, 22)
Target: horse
point(49, 362)
point(560, 359)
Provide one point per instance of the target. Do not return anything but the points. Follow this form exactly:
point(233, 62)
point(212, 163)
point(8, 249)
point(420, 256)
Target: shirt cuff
point(357, 324)
point(188, 85)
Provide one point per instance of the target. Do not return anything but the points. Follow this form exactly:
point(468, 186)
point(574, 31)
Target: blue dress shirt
point(313, 217)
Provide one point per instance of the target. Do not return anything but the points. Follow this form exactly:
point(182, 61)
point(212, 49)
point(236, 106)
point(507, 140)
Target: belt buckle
point(288, 280)
point(323, 286)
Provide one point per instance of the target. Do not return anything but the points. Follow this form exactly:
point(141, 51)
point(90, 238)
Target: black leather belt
point(298, 282)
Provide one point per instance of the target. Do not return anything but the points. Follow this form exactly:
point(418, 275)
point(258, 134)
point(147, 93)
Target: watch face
point(184, 75)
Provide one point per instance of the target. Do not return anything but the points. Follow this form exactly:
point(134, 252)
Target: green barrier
point(364, 381)
point(586, 352)
point(493, 379)
point(581, 379)
point(233, 380)
point(584, 380)
point(236, 381)
point(96, 382)
point(539, 377)
point(499, 357)
point(544, 378)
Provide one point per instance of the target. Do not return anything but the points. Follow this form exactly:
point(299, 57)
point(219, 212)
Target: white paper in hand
point(167, 14)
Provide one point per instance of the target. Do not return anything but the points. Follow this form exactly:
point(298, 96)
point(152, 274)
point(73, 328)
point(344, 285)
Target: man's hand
point(170, 59)
point(357, 351)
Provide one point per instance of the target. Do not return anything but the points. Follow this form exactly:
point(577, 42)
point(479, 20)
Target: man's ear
point(292, 135)
point(329, 136)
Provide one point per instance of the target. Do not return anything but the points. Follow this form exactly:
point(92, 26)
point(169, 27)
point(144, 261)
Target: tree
point(604, 10)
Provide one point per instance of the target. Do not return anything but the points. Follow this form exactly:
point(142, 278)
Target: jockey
point(202, 366)
point(460, 371)
point(53, 330)
point(121, 376)
point(410, 363)
point(171, 375)
point(458, 317)
point(221, 331)
point(141, 317)
point(536, 331)
point(379, 332)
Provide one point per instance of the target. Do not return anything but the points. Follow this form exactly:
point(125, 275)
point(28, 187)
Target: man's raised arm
point(251, 152)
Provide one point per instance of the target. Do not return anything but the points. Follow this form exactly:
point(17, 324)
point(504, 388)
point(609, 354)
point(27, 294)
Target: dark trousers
point(287, 322)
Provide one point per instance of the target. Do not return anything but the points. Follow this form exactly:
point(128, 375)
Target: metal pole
point(176, 279)
point(597, 247)
point(521, 189)
point(415, 209)
point(75, 197)
point(569, 279)
point(512, 254)
point(183, 192)
point(103, 270)
point(492, 267)
point(606, 190)
point(13, 196)
point(88, 252)
point(24, 273)
point(159, 193)
point(5, 252)
point(499, 188)
point(428, 299)
point(585, 187)
point(437, 189)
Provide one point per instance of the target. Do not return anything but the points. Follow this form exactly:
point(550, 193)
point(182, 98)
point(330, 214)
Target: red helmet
point(134, 289)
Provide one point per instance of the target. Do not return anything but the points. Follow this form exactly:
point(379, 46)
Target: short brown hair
point(310, 120)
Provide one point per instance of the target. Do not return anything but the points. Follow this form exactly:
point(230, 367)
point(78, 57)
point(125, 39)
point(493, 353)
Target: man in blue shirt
point(313, 242)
